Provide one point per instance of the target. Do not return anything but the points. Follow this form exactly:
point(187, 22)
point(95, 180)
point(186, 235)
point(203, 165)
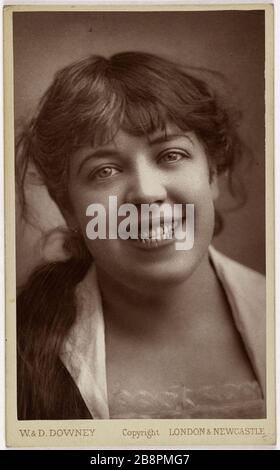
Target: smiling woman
point(134, 328)
point(140, 173)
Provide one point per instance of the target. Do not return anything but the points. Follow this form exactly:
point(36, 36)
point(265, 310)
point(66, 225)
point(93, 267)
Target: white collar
point(84, 353)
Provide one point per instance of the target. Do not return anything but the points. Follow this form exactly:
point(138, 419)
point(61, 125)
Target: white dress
point(83, 354)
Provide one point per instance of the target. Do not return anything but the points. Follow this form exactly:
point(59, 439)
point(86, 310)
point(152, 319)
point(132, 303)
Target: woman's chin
point(163, 273)
point(146, 265)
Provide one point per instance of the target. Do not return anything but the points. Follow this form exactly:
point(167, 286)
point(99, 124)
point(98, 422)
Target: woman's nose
point(146, 187)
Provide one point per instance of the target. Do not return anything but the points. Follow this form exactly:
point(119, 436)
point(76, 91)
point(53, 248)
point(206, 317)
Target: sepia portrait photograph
point(139, 218)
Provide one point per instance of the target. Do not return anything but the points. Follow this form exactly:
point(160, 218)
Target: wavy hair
point(90, 100)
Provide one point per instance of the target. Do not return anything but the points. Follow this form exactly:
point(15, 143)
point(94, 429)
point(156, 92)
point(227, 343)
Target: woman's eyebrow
point(167, 137)
point(101, 153)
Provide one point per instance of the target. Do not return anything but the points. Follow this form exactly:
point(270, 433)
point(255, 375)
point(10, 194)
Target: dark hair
point(45, 313)
point(88, 102)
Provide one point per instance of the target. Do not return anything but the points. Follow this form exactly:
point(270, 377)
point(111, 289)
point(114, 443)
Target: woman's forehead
point(159, 135)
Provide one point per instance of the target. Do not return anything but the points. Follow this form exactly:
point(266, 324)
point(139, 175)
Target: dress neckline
point(83, 352)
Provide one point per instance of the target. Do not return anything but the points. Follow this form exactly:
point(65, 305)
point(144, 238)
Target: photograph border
point(96, 433)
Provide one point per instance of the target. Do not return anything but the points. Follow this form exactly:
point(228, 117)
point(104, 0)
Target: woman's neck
point(155, 310)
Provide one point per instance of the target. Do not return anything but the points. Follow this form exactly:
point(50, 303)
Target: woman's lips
point(162, 235)
point(164, 231)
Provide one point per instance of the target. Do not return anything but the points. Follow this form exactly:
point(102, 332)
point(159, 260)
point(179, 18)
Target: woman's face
point(167, 167)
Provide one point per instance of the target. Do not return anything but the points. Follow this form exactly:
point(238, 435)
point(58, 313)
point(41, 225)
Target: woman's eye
point(105, 172)
point(172, 157)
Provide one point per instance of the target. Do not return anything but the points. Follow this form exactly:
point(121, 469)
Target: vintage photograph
point(140, 189)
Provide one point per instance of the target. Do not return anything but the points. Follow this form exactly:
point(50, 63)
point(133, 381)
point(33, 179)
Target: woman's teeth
point(163, 232)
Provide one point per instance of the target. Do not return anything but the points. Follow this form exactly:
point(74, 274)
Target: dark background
point(231, 42)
